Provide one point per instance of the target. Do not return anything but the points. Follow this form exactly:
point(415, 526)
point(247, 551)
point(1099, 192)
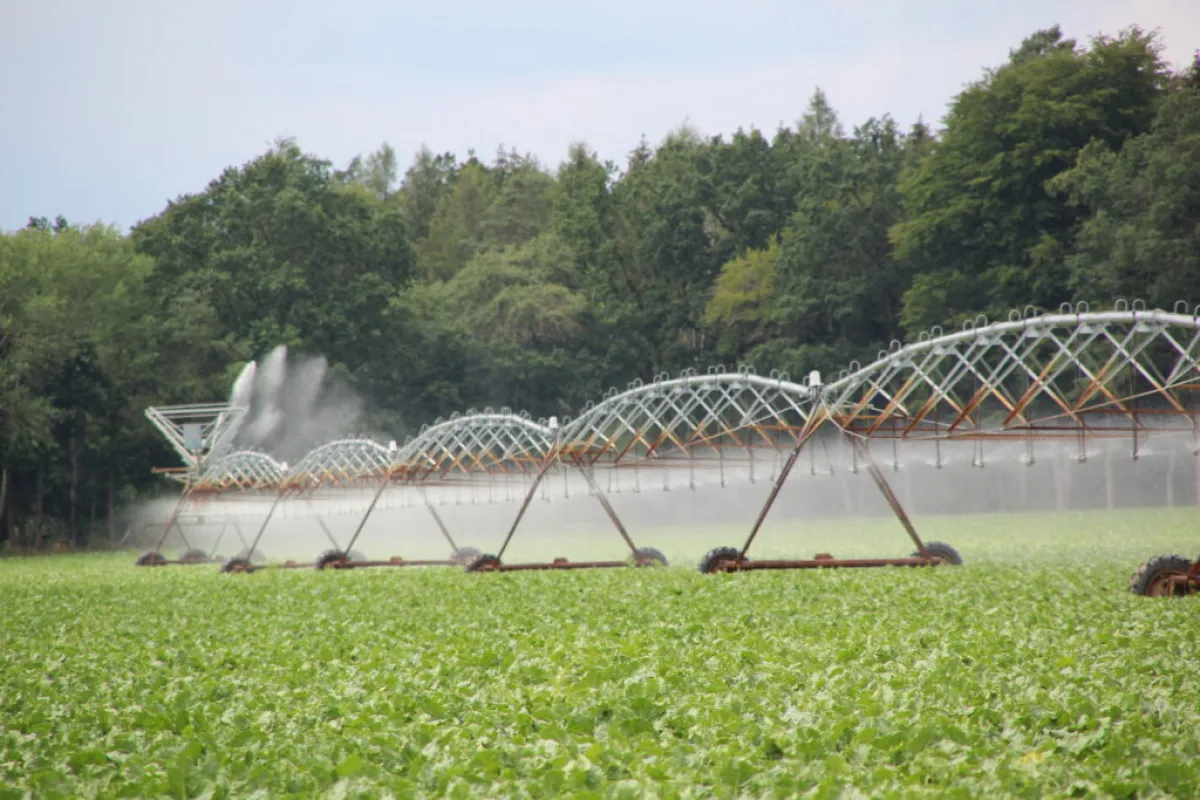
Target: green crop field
point(1032, 671)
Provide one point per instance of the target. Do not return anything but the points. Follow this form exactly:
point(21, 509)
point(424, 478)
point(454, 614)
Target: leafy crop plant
point(1031, 671)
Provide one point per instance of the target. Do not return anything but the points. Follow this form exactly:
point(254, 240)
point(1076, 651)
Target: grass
point(1030, 672)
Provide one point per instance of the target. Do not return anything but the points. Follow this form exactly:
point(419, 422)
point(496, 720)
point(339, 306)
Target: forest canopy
point(1069, 172)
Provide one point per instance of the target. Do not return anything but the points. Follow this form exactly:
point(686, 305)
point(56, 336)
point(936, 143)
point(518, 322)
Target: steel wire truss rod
point(730, 559)
point(1046, 373)
point(198, 432)
point(1107, 373)
point(1075, 373)
point(654, 423)
point(467, 451)
point(639, 557)
point(461, 446)
point(1049, 375)
point(687, 416)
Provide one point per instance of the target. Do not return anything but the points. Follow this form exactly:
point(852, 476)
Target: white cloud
point(610, 110)
point(157, 102)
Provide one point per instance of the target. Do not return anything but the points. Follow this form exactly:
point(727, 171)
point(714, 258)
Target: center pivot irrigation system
point(1078, 375)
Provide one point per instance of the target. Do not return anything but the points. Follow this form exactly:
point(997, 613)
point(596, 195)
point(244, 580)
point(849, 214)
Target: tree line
point(1071, 171)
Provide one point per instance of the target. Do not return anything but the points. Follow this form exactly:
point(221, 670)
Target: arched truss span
point(241, 470)
point(462, 447)
point(344, 462)
point(1077, 372)
point(1074, 373)
point(693, 416)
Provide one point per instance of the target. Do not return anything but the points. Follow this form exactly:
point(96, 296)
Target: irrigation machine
point(1077, 376)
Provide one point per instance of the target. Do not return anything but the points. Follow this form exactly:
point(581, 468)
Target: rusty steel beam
point(395, 562)
point(749, 565)
point(556, 564)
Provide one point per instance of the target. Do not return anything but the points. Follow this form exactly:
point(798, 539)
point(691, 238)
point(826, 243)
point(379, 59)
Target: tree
point(522, 205)
point(283, 254)
point(71, 313)
point(380, 171)
point(524, 318)
point(983, 233)
point(664, 259)
point(583, 213)
point(1143, 237)
point(456, 230)
point(743, 301)
point(742, 188)
point(425, 182)
point(830, 290)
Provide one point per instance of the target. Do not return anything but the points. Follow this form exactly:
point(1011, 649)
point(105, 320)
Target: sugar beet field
point(1030, 671)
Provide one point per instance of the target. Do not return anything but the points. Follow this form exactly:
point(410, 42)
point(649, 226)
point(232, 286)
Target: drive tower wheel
point(331, 559)
point(254, 557)
point(484, 563)
point(465, 555)
point(150, 558)
point(194, 555)
point(1159, 577)
point(720, 559)
point(941, 550)
point(237, 565)
point(648, 557)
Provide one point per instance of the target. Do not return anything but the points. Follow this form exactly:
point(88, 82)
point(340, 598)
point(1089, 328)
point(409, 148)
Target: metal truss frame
point(1078, 374)
point(1126, 372)
point(1109, 373)
point(460, 449)
point(710, 420)
point(199, 432)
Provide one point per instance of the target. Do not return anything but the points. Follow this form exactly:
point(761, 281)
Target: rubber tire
point(329, 557)
point(150, 558)
point(465, 555)
point(649, 557)
point(948, 554)
point(257, 557)
point(195, 554)
point(482, 563)
point(711, 562)
point(237, 565)
point(1143, 578)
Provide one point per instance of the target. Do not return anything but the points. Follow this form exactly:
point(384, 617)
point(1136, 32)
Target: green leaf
point(349, 766)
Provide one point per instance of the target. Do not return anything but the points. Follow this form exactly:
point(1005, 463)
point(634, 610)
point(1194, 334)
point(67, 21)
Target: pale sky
point(109, 109)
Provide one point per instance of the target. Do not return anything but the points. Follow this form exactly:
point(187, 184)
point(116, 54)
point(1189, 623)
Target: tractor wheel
point(484, 563)
point(150, 558)
point(237, 565)
point(720, 559)
point(194, 555)
point(649, 557)
point(1155, 577)
point(941, 550)
point(465, 555)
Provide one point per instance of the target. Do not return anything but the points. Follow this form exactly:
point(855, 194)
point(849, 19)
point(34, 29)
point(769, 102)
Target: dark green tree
point(1142, 239)
point(983, 233)
point(283, 254)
